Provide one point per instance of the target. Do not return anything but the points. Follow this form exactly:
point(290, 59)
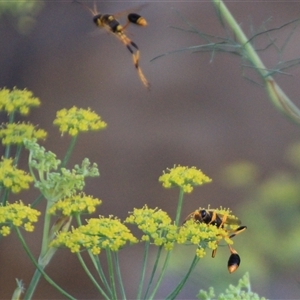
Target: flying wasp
point(210, 216)
point(112, 25)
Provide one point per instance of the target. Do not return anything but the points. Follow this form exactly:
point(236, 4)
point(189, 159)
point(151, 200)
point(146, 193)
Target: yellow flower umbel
point(13, 178)
point(17, 214)
point(156, 225)
point(17, 101)
point(200, 234)
point(184, 177)
point(99, 233)
point(207, 227)
point(75, 120)
point(75, 205)
point(15, 133)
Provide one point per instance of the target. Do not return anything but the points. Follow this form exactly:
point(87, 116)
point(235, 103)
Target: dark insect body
point(113, 26)
point(211, 217)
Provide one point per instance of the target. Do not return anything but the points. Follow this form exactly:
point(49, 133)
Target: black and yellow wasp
point(112, 25)
point(211, 216)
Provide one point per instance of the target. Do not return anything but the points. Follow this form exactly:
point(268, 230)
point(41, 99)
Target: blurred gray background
point(198, 113)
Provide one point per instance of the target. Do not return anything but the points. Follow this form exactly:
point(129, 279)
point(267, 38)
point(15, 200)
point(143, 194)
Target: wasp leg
point(223, 221)
point(238, 231)
point(213, 218)
point(214, 252)
point(234, 233)
point(135, 56)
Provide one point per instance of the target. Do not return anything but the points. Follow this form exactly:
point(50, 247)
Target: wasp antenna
point(92, 11)
point(95, 8)
point(191, 215)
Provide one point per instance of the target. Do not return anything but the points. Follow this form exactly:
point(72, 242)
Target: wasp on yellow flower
point(221, 219)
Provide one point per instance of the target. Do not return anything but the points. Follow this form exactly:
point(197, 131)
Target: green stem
point(37, 274)
point(30, 290)
point(117, 264)
point(34, 281)
point(78, 219)
point(161, 275)
point(250, 52)
point(111, 274)
point(30, 166)
point(46, 230)
point(5, 196)
point(179, 206)
point(7, 151)
point(277, 96)
point(69, 151)
point(37, 200)
point(8, 147)
point(96, 262)
point(145, 259)
point(11, 118)
point(40, 197)
point(86, 269)
point(164, 268)
point(153, 270)
point(18, 154)
point(183, 281)
point(101, 273)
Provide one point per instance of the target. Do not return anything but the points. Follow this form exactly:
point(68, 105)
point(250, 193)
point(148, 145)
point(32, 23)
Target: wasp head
point(97, 19)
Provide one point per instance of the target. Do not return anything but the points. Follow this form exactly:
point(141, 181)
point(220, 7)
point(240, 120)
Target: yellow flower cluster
point(13, 178)
point(75, 120)
point(99, 233)
point(156, 224)
point(15, 133)
point(75, 204)
point(201, 234)
point(17, 214)
point(184, 177)
point(17, 101)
